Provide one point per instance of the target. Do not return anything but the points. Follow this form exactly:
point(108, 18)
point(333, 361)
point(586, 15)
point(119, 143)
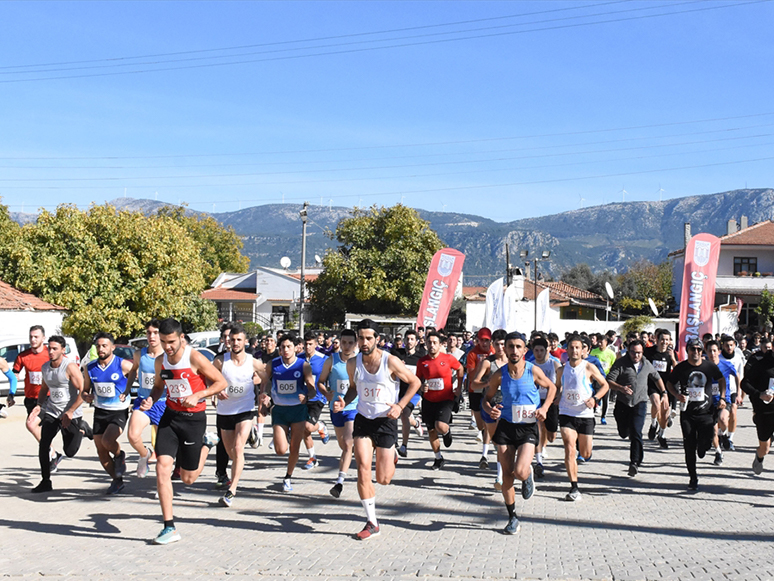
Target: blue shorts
point(416, 399)
point(486, 417)
point(287, 415)
point(154, 413)
point(341, 418)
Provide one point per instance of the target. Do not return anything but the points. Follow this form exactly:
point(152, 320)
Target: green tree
point(765, 308)
point(636, 324)
point(112, 270)
point(584, 278)
point(219, 245)
point(642, 281)
point(380, 266)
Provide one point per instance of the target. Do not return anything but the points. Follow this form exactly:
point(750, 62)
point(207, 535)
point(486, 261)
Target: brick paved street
point(434, 524)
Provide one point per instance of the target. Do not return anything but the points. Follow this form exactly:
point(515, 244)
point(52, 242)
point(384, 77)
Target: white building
point(20, 310)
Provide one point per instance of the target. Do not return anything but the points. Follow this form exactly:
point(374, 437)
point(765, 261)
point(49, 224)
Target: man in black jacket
point(758, 383)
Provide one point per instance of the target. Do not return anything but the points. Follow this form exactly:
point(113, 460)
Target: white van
point(204, 339)
point(12, 345)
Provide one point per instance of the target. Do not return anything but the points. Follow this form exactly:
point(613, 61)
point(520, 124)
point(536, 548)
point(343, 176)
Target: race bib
point(572, 396)
point(660, 366)
point(235, 389)
point(715, 389)
point(105, 389)
point(178, 388)
point(58, 395)
point(36, 377)
point(147, 380)
point(342, 386)
point(412, 368)
point(287, 387)
point(435, 384)
point(695, 394)
point(523, 414)
point(376, 394)
point(543, 392)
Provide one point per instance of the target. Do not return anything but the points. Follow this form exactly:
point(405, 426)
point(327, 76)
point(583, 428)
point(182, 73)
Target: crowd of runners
point(521, 392)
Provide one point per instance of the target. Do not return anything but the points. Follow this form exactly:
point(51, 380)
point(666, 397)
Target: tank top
point(338, 382)
point(184, 382)
point(61, 392)
point(521, 397)
point(107, 384)
point(240, 390)
point(493, 367)
point(287, 382)
point(375, 391)
point(147, 375)
point(316, 362)
point(549, 369)
point(576, 389)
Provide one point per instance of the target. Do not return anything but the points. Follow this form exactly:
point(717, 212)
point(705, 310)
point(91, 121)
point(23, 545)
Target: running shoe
point(513, 526)
point(652, 432)
point(142, 466)
point(723, 441)
point(603, 421)
point(438, 464)
point(271, 445)
point(663, 444)
point(693, 483)
point(227, 499)
point(323, 433)
point(498, 485)
point(116, 486)
point(119, 464)
point(166, 536)
point(483, 464)
point(718, 459)
point(3, 413)
point(731, 447)
point(369, 531)
point(54, 462)
point(402, 451)
point(44, 486)
point(669, 421)
point(337, 489)
point(311, 464)
point(211, 439)
point(223, 482)
point(573, 496)
point(447, 438)
point(418, 428)
point(528, 486)
point(757, 466)
point(633, 470)
point(286, 486)
point(580, 459)
point(539, 471)
point(480, 436)
point(472, 425)
point(252, 439)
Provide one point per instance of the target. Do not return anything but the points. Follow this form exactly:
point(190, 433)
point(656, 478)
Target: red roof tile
point(307, 277)
point(12, 299)
point(760, 234)
point(227, 294)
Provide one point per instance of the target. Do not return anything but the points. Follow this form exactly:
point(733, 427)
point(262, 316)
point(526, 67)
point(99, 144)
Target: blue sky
point(532, 110)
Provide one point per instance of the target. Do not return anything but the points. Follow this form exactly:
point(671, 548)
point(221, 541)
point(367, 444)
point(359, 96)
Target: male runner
point(410, 356)
point(221, 455)
point(712, 350)
point(373, 377)
point(691, 383)
point(60, 402)
point(236, 403)
point(547, 427)
point(730, 353)
point(106, 387)
point(758, 383)
point(184, 373)
point(269, 354)
point(576, 409)
point(434, 370)
point(291, 383)
point(662, 357)
point(517, 431)
point(5, 369)
point(480, 351)
point(334, 383)
point(606, 357)
point(316, 402)
point(145, 365)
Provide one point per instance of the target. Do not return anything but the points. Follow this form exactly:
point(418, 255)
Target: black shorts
point(552, 417)
point(437, 411)
point(508, 434)
point(181, 435)
point(383, 432)
point(653, 389)
point(764, 425)
point(475, 400)
point(584, 426)
point(409, 407)
point(30, 403)
point(314, 409)
point(229, 422)
point(103, 418)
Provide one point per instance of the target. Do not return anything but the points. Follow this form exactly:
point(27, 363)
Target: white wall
point(19, 322)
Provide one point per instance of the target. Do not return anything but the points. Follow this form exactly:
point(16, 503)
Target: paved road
point(435, 525)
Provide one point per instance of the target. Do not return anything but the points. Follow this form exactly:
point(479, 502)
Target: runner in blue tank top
point(335, 374)
point(517, 430)
point(316, 402)
point(144, 368)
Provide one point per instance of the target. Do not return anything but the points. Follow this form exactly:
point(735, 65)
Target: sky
point(501, 109)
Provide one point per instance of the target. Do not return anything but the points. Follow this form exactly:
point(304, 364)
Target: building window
point(745, 264)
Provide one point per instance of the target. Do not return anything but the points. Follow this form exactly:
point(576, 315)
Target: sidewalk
point(435, 525)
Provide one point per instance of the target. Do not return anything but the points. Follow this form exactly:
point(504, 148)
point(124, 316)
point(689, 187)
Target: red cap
point(484, 333)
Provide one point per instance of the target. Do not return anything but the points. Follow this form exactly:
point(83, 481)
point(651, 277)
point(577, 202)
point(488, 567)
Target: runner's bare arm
point(75, 377)
point(494, 383)
point(214, 378)
point(126, 369)
point(399, 370)
point(478, 375)
point(132, 375)
point(604, 387)
point(86, 394)
point(542, 381)
point(326, 371)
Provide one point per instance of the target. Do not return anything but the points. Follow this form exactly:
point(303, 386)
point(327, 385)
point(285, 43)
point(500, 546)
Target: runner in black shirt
point(758, 383)
point(662, 356)
point(409, 354)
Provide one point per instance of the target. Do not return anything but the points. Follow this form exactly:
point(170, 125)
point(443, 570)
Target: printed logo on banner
point(446, 264)
point(701, 252)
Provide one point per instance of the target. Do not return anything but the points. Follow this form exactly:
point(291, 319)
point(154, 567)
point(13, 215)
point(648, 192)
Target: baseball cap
point(484, 333)
point(693, 342)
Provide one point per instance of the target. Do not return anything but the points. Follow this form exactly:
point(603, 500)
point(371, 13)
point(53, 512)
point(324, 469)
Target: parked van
point(12, 345)
point(204, 339)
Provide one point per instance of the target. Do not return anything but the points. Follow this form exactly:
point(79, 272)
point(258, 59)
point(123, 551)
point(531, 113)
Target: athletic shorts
point(474, 398)
point(181, 435)
point(731, 399)
point(286, 415)
point(414, 400)
point(229, 422)
point(156, 411)
point(30, 403)
point(103, 418)
point(584, 426)
point(487, 418)
point(653, 389)
point(552, 417)
point(436, 411)
point(314, 412)
point(383, 432)
point(341, 418)
point(508, 434)
point(764, 425)
point(410, 406)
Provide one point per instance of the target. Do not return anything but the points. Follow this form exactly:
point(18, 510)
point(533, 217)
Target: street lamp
point(543, 257)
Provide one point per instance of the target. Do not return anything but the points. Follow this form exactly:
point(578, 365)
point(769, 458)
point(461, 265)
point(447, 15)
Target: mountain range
point(607, 237)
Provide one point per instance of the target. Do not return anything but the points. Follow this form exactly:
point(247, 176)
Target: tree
point(380, 266)
point(636, 324)
point(642, 281)
point(219, 245)
point(765, 308)
point(112, 270)
point(8, 228)
point(583, 277)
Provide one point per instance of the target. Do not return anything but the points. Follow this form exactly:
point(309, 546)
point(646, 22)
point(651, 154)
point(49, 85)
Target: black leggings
point(72, 437)
point(698, 431)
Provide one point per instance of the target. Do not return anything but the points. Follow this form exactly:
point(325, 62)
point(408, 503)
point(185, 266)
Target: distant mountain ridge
point(611, 236)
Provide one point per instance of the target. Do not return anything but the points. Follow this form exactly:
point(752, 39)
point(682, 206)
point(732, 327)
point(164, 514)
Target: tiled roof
point(12, 299)
point(227, 294)
point(307, 277)
point(760, 234)
point(560, 292)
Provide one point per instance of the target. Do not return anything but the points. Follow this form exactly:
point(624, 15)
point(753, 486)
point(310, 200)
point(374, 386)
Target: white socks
point(485, 450)
point(539, 457)
point(310, 451)
point(369, 504)
point(730, 436)
point(342, 476)
point(438, 455)
point(499, 472)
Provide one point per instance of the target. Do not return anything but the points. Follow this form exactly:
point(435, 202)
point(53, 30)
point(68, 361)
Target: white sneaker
point(211, 439)
point(419, 429)
point(480, 437)
point(271, 445)
point(3, 413)
point(142, 466)
point(472, 425)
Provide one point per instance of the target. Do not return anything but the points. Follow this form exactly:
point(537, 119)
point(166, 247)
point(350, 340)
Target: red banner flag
point(442, 279)
point(698, 297)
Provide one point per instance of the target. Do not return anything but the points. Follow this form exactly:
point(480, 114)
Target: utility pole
point(508, 270)
point(302, 213)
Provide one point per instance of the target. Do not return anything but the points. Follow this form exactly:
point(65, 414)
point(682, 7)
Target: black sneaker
point(662, 443)
point(402, 451)
point(483, 464)
point(447, 438)
point(633, 470)
point(438, 464)
point(693, 483)
point(652, 432)
point(539, 471)
point(44, 486)
point(54, 462)
point(528, 487)
point(119, 464)
point(336, 490)
point(731, 446)
point(724, 442)
point(718, 459)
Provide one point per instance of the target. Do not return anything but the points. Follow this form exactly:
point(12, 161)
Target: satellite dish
point(285, 262)
point(317, 258)
point(609, 289)
point(653, 306)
